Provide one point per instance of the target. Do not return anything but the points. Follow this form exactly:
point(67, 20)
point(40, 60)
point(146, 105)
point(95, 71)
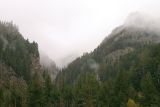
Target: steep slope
point(16, 52)
point(123, 68)
point(122, 41)
point(24, 82)
point(19, 63)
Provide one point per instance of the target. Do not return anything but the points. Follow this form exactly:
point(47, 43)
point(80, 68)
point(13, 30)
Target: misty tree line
point(131, 80)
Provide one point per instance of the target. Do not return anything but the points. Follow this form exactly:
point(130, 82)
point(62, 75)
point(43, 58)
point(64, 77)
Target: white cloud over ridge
point(70, 27)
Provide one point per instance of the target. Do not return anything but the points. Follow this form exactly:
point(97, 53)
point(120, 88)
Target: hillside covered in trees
point(123, 71)
point(23, 82)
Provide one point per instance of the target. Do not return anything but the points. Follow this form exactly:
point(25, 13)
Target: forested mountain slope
point(15, 51)
point(122, 71)
point(22, 79)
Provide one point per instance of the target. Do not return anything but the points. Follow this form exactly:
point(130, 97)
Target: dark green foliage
point(128, 72)
point(35, 92)
point(51, 95)
point(124, 71)
point(86, 91)
point(15, 51)
point(151, 95)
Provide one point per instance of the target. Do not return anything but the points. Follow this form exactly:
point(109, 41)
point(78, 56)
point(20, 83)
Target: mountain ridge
point(123, 69)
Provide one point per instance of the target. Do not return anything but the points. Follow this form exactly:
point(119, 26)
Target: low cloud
point(5, 42)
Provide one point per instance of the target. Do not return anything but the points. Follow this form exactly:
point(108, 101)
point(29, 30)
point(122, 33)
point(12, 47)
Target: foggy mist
point(5, 42)
point(65, 30)
point(149, 22)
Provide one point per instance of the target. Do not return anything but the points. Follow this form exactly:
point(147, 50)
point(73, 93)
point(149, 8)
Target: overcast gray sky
point(65, 29)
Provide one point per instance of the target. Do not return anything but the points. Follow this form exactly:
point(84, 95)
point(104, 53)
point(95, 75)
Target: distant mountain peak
point(137, 25)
